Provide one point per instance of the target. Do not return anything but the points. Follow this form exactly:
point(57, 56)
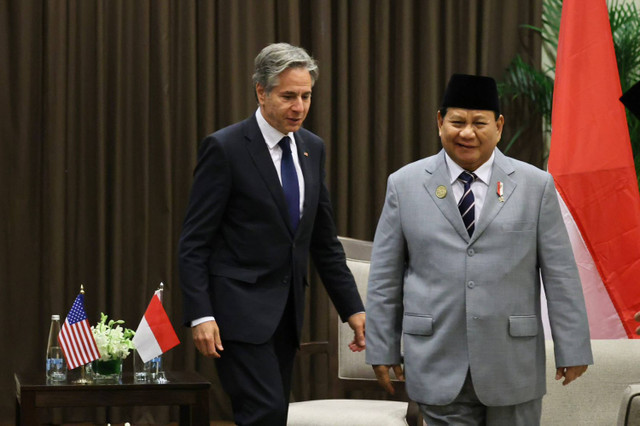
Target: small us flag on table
point(76, 339)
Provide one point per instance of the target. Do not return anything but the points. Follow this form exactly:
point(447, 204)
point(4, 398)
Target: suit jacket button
point(471, 252)
point(471, 284)
point(285, 280)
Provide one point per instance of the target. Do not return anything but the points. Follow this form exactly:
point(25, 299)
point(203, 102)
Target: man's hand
point(356, 322)
point(206, 337)
point(570, 373)
point(382, 374)
point(637, 317)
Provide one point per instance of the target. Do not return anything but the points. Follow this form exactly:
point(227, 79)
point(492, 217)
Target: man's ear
point(500, 125)
point(260, 93)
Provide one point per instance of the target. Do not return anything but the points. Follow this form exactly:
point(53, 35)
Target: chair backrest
point(351, 376)
point(352, 365)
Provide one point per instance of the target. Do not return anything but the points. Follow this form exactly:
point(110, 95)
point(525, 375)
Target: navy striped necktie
point(467, 202)
point(290, 182)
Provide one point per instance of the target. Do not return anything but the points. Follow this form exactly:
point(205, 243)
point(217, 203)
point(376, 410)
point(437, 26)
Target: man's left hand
point(356, 322)
point(637, 317)
point(570, 373)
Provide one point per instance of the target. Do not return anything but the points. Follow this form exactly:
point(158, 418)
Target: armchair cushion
point(352, 412)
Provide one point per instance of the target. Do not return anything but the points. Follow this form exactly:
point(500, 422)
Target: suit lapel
point(492, 203)
point(437, 176)
point(259, 153)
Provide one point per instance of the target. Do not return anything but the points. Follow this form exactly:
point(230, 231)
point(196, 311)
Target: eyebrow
point(294, 92)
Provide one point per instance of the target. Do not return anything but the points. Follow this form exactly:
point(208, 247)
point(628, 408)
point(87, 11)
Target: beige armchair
point(606, 392)
point(349, 372)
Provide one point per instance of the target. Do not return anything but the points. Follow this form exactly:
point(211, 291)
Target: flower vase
point(109, 371)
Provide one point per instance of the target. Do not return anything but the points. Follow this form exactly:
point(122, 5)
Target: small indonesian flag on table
point(155, 334)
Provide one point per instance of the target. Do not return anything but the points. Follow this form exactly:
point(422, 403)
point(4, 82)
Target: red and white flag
point(155, 334)
point(592, 164)
point(75, 337)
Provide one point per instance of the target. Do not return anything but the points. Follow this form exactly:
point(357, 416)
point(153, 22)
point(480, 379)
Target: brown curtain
point(102, 104)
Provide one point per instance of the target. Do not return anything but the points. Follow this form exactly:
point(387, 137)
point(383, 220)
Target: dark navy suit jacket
point(238, 255)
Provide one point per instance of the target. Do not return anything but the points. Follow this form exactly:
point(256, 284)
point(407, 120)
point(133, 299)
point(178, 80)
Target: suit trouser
point(467, 410)
point(257, 378)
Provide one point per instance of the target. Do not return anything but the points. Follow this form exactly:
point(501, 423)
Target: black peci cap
point(631, 99)
point(471, 92)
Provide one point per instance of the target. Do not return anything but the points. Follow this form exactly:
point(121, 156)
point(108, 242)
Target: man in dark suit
point(259, 205)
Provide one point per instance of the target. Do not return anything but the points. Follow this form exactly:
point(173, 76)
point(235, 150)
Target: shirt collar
point(270, 134)
point(483, 172)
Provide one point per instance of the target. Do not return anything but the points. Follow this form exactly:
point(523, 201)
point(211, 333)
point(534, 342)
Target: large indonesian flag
point(592, 164)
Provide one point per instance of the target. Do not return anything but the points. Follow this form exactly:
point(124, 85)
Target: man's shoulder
point(308, 136)
point(416, 167)
point(234, 130)
point(522, 168)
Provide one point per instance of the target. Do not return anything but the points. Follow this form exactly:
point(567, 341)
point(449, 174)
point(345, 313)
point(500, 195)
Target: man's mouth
point(466, 146)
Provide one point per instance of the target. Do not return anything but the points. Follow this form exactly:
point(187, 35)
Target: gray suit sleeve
point(565, 300)
point(384, 295)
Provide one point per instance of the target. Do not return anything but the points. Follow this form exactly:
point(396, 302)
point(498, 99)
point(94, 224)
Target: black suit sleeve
point(329, 258)
point(207, 204)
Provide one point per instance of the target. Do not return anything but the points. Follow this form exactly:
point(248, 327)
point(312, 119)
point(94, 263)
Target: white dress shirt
point(479, 186)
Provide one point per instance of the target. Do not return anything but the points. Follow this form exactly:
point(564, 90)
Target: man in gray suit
point(465, 239)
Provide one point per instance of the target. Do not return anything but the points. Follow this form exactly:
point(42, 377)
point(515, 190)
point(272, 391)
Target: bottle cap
point(55, 317)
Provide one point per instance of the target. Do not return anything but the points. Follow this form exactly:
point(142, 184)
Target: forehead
point(294, 79)
point(470, 113)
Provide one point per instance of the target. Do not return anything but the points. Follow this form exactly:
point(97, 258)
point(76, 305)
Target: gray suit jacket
point(473, 304)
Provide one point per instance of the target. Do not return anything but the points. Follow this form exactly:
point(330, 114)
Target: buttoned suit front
point(472, 304)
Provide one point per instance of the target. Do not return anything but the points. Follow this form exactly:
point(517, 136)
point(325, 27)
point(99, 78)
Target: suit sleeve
point(385, 292)
point(563, 289)
point(207, 204)
point(329, 258)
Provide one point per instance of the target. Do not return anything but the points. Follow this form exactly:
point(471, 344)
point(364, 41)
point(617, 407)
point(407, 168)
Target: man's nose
point(298, 105)
point(467, 131)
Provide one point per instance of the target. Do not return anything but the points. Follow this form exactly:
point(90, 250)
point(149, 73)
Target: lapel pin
point(441, 191)
point(306, 154)
point(500, 192)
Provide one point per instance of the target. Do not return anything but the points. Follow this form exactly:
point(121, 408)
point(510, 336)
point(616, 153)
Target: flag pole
point(83, 380)
point(160, 378)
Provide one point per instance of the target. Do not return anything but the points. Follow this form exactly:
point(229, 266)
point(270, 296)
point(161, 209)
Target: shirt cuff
point(201, 320)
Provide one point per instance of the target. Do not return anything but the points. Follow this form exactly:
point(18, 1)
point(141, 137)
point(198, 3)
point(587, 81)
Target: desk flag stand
point(84, 379)
point(158, 374)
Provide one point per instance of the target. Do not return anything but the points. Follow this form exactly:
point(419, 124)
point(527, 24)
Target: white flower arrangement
point(113, 340)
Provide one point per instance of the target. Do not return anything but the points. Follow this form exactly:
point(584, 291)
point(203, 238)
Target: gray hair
point(276, 58)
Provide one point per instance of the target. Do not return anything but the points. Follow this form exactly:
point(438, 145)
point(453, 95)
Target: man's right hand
point(637, 317)
point(382, 374)
point(206, 337)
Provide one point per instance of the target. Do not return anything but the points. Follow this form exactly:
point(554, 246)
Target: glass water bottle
point(56, 365)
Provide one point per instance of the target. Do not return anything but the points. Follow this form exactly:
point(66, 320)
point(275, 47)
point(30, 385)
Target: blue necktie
point(467, 202)
point(290, 182)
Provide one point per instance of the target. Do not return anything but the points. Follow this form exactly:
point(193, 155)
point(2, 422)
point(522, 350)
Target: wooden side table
point(186, 389)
